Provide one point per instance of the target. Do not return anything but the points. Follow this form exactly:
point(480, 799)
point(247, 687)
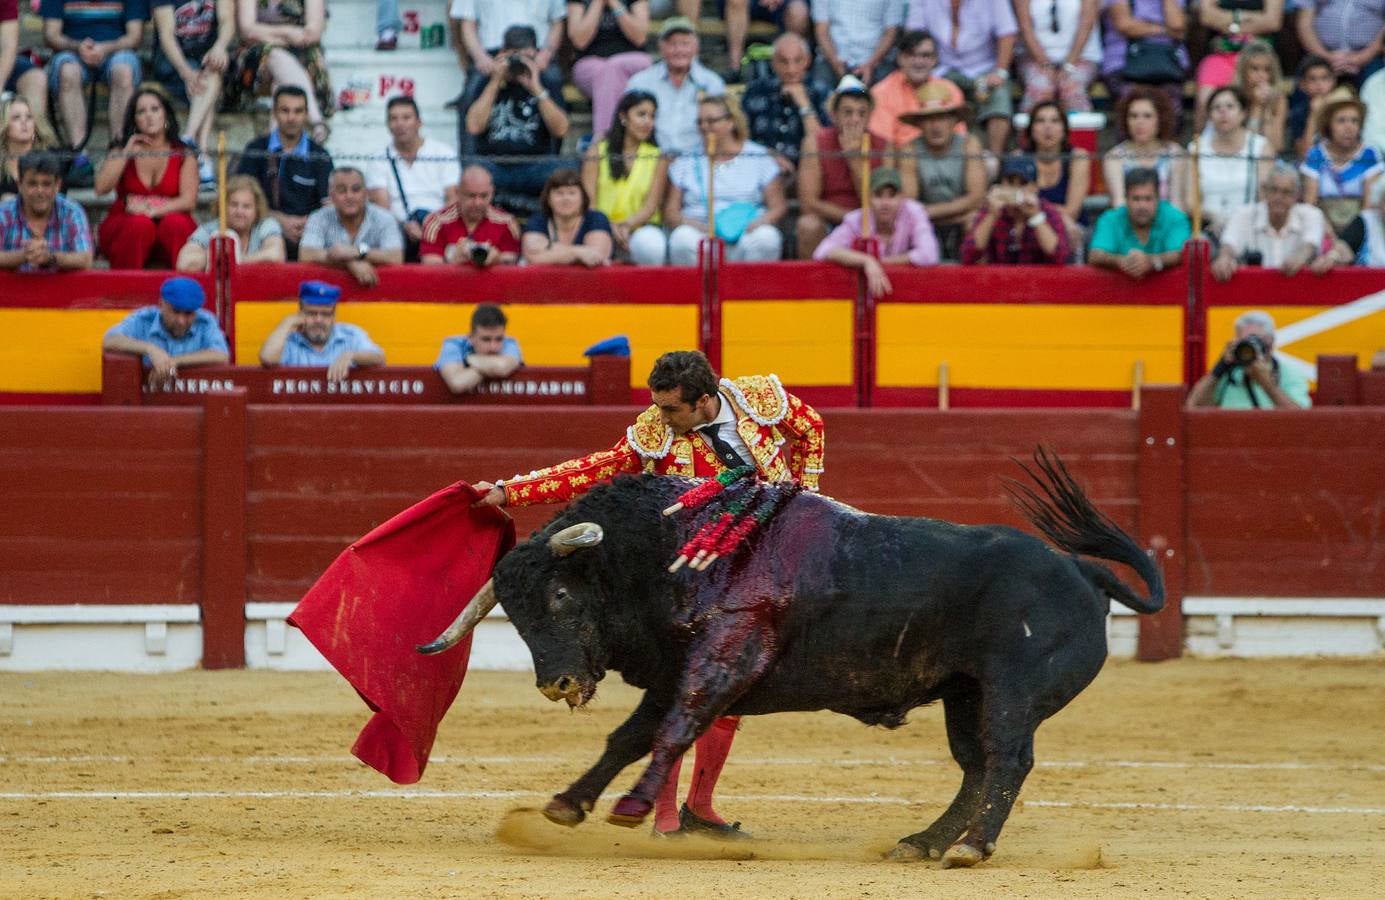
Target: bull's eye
point(559, 600)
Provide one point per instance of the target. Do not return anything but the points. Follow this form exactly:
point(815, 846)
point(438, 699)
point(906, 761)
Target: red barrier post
point(222, 258)
point(1161, 487)
point(1339, 383)
point(1197, 256)
point(711, 255)
point(864, 327)
point(225, 442)
point(122, 380)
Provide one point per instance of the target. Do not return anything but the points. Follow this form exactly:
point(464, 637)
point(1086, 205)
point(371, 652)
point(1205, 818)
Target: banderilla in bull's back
point(987, 619)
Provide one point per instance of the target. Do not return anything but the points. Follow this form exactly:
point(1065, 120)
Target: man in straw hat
point(1340, 168)
point(943, 166)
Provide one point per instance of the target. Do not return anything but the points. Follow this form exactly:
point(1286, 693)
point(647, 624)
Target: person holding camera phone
point(470, 232)
point(1248, 376)
point(311, 336)
point(416, 175)
point(1279, 232)
point(1015, 226)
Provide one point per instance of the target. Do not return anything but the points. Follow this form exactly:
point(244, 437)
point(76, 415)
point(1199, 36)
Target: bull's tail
point(1068, 519)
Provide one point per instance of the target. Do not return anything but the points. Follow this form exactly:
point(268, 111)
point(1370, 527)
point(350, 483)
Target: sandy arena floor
point(1216, 779)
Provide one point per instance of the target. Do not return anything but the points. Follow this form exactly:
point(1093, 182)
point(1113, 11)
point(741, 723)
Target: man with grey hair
point(783, 108)
point(351, 233)
point(677, 82)
point(1364, 236)
point(788, 16)
point(1248, 376)
point(1278, 232)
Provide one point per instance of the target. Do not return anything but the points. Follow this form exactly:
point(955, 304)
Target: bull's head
point(550, 607)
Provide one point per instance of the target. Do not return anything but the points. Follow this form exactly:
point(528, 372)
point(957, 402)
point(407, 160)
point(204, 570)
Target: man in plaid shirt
point(41, 230)
point(1016, 225)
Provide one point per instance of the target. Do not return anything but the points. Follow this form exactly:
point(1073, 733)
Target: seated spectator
point(416, 176)
point(177, 333)
point(1339, 170)
point(40, 229)
point(1233, 159)
point(1016, 226)
point(281, 46)
point(976, 44)
point(311, 336)
point(1145, 120)
point(352, 233)
point(387, 25)
point(916, 53)
point(1059, 51)
point(291, 168)
point(484, 25)
point(627, 178)
point(1315, 81)
point(154, 177)
point(190, 61)
point(829, 171)
point(899, 224)
point(1258, 75)
point(1279, 232)
point(485, 353)
point(517, 116)
point(1065, 171)
point(943, 166)
point(677, 81)
point(1348, 35)
point(470, 232)
point(608, 37)
point(22, 132)
point(567, 231)
point(1143, 236)
point(1151, 25)
point(854, 37)
point(1248, 376)
point(92, 41)
point(787, 17)
point(783, 108)
point(748, 193)
point(18, 74)
point(1232, 29)
point(255, 234)
point(1365, 236)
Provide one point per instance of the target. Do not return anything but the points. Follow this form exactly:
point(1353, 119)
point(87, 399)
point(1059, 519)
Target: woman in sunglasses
point(1060, 50)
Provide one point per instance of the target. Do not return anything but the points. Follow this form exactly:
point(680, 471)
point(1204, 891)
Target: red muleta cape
point(395, 588)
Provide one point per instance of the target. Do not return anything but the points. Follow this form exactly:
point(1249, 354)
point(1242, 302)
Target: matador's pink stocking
point(712, 750)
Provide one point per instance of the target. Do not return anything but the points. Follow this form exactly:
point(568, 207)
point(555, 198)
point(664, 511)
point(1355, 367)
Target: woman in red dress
point(155, 180)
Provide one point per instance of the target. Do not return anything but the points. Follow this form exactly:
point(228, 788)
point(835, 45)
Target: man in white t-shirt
point(415, 177)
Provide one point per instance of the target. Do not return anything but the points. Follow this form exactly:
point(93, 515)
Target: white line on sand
point(744, 798)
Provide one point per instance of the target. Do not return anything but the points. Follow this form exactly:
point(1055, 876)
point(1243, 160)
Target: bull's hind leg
point(962, 712)
point(1008, 745)
point(623, 746)
point(722, 666)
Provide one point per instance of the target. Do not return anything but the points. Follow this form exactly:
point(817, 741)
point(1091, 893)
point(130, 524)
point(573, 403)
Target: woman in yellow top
point(626, 177)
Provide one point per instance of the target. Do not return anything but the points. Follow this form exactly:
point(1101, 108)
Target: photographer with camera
point(1015, 226)
point(1248, 376)
point(416, 175)
point(517, 117)
point(470, 232)
point(1279, 232)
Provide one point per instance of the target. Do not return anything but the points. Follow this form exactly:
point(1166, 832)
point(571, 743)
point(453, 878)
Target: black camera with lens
point(1247, 350)
point(479, 253)
point(1253, 258)
point(515, 68)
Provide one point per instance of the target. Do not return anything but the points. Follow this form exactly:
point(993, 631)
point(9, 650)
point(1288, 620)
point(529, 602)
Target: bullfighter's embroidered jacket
point(767, 417)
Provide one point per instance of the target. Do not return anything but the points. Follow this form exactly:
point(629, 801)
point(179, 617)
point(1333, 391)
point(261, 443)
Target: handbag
point(1148, 61)
point(732, 221)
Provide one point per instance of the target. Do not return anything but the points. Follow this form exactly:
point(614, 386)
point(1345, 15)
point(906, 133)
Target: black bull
point(829, 608)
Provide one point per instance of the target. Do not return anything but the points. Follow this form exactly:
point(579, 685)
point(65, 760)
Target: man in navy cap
point(312, 336)
point(177, 333)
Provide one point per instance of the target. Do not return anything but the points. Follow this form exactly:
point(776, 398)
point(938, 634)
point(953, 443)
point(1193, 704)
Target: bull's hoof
point(561, 811)
point(962, 856)
point(906, 852)
point(629, 811)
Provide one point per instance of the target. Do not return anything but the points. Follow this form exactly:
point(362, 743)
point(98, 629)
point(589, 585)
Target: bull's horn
point(576, 537)
point(474, 612)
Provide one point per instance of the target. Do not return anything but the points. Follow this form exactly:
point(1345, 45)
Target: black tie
point(725, 452)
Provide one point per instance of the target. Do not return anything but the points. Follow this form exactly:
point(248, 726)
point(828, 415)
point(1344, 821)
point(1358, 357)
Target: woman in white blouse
point(1232, 160)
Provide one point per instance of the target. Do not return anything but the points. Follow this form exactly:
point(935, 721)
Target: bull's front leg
point(625, 745)
point(722, 666)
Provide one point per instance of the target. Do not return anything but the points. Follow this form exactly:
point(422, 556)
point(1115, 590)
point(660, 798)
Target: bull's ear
point(581, 536)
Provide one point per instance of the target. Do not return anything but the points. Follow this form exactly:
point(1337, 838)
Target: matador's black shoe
point(690, 822)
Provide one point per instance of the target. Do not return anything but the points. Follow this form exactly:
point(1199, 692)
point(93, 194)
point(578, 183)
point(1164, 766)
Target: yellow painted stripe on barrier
point(1060, 346)
point(1361, 336)
point(804, 342)
point(549, 335)
point(55, 351)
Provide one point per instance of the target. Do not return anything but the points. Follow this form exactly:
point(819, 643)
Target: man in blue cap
point(1015, 226)
point(311, 336)
point(177, 333)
